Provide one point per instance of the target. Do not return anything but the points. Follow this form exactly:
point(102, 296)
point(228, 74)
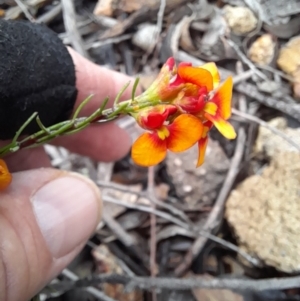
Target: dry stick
point(150, 189)
point(148, 283)
point(25, 10)
point(268, 126)
point(166, 206)
point(212, 221)
point(244, 58)
point(160, 16)
point(251, 91)
point(114, 40)
point(92, 290)
point(50, 15)
point(69, 17)
point(159, 25)
point(176, 221)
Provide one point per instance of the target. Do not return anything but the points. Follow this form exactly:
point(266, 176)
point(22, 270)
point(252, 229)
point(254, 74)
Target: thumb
point(46, 216)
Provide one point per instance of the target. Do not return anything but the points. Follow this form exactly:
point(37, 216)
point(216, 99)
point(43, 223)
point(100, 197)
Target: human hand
point(47, 215)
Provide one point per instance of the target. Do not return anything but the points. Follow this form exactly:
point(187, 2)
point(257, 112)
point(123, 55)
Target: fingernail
point(67, 210)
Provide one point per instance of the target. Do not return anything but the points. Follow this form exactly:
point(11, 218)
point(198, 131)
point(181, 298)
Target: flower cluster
point(191, 101)
point(177, 111)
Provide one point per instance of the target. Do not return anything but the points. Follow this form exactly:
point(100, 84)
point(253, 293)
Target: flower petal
point(5, 176)
point(212, 68)
point(197, 76)
point(202, 144)
point(185, 131)
point(222, 98)
point(223, 126)
point(148, 150)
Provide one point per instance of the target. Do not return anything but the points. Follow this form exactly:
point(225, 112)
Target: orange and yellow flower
point(200, 102)
point(167, 132)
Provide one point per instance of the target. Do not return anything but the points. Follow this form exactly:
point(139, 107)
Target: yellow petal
point(223, 126)
point(5, 175)
point(212, 68)
point(222, 98)
point(211, 108)
point(202, 144)
point(148, 150)
point(197, 76)
point(185, 131)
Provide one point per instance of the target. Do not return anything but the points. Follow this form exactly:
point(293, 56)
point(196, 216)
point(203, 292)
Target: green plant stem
point(76, 124)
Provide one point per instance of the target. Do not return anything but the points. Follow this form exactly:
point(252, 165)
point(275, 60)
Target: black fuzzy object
point(37, 74)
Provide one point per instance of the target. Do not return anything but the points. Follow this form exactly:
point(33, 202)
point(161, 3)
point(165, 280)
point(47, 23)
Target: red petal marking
point(223, 126)
point(5, 175)
point(222, 98)
point(196, 76)
point(171, 109)
point(148, 150)
point(185, 131)
point(170, 63)
point(202, 145)
point(154, 120)
point(192, 104)
point(212, 68)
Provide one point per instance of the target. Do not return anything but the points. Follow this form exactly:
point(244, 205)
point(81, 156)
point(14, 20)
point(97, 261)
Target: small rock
point(241, 20)
point(264, 212)
point(289, 61)
point(270, 144)
point(145, 37)
point(201, 184)
point(262, 51)
point(104, 8)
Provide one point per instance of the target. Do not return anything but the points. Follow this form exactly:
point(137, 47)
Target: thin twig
point(50, 15)
point(267, 126)
point(159, 25)
point(244, 58)
point(151, 198)
point(292, 110)
point(69, 16)
point(114, 40)
point(153, 265)
point(92, 290)
point(160, 16)
point(194, 231)
point(25, 10)
point(148, 283)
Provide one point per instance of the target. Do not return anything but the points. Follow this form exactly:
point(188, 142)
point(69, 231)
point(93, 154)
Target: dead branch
point(186, 226)
point(267, 126)
point(148, 283)
point(69, 17)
